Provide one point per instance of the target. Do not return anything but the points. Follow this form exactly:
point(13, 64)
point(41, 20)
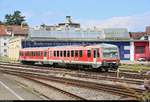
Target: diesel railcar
point(102, 56)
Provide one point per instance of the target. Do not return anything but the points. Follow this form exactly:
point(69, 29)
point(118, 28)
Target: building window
point(139, 49)
point(5, 50)
point(5, 44)
point(5, 38)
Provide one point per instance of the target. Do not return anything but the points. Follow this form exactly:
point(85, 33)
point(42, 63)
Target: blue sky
point(132, 14)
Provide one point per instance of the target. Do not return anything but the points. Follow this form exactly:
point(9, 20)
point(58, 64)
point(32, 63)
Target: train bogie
point(28, 62)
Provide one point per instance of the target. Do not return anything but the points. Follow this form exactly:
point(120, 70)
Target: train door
point(95, 56)
point(45, 55)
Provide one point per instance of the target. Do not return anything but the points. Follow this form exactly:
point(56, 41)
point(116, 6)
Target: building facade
point(7, 32)
point(14, 46)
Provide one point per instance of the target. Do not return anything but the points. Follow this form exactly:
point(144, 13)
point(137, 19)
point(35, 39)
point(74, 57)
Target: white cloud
point(132, 23)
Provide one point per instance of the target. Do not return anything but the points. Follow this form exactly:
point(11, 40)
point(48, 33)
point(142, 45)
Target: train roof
point(102, 45)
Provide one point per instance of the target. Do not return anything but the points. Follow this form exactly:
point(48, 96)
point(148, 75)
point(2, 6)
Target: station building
point(132, 45)
point(43, 38)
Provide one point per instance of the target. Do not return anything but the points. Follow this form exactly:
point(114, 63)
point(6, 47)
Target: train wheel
point(99, 69)
point(55, 65)
point(106, 69)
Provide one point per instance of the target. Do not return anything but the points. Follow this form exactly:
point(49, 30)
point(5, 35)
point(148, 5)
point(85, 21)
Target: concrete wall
point(14, 47)
point(4, 45)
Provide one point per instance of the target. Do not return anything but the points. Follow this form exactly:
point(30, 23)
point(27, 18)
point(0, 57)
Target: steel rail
point(115, 89)
point(82, 75)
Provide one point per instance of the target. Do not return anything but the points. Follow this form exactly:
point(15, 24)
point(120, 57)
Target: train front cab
point(110, 59)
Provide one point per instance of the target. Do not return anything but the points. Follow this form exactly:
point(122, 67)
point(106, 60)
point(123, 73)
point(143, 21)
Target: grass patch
point(135, 67)
point(6, 59)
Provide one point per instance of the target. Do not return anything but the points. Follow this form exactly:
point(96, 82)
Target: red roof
point(15, 29)
point(2, 30)
point(137, 35)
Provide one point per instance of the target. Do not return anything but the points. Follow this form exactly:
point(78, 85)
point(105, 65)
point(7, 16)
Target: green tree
point(43, 25)
point(14, 19)
point(1, 22)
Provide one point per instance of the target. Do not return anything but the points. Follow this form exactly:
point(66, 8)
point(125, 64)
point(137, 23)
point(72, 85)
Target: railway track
point(71, 95)
point(115, 89)
point(76, 74)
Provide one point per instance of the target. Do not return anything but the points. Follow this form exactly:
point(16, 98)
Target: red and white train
point(102, 56)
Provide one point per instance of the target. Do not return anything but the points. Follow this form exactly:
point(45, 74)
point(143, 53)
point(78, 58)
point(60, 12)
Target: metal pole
point(118, 73)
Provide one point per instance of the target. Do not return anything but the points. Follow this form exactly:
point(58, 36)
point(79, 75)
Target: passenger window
point(61, 53)
point(54, 53)
point(80, 53)
point(45, 54)
point(98, 53)
point(39, 53)
point(72, 53)
point(64, 53)
point(94, 53)
point(76, 53)
point(32, 53)
point(89, 53)
point(50, 53)
point(68, 53)
point(29, 53)
point(57, 53)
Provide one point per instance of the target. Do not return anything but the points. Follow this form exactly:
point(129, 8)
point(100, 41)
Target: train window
point(61, 53)
point(45, 53)
point(68, 53)
point(80, 53)
point(50, 53)
point(98, 53)
point(89, 53)
point(57, 53)
point(94, 53)
point(54, 53)
point(76, 53)
point(72, 53)
point(39, 53)
point(28, 53)
point(64, 53)
point(34, 53)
